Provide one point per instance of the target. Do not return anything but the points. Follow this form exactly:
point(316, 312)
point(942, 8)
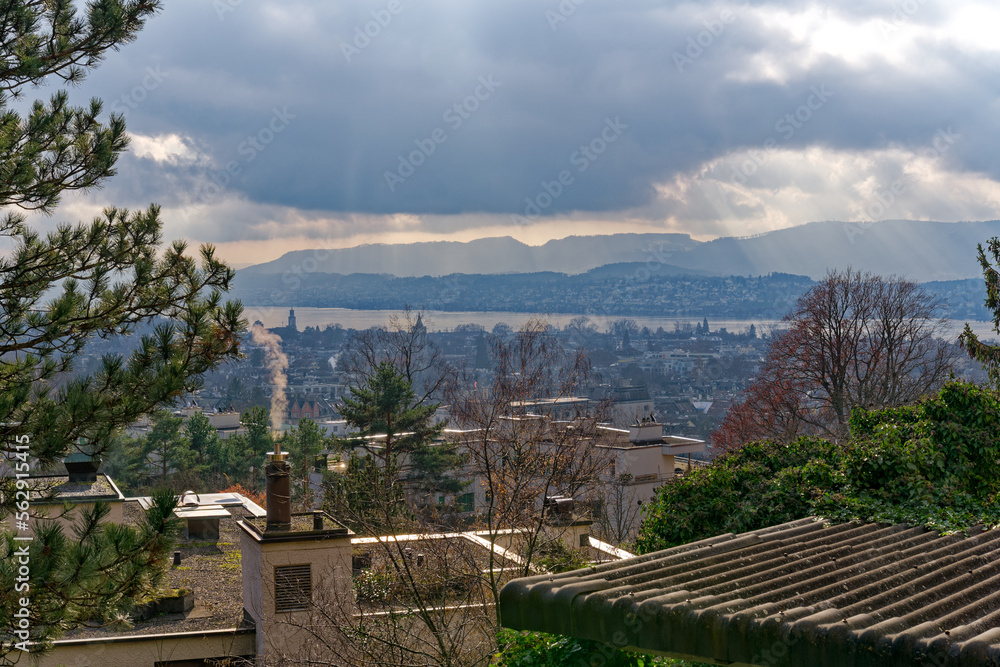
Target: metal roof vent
point(186, 501)
point(559, 508)
point(292, 587)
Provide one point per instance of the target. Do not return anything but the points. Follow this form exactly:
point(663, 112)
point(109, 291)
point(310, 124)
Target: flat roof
point(800, 593)
point(558, 400)
point(188, 502)
point(212, 569)
point(301, 527)
point(204, 512)
point(58, 488)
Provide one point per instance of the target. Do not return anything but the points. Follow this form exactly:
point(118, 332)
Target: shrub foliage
point(935, 464)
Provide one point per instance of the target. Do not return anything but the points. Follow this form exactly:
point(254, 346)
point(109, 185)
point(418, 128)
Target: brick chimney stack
point(278, 491)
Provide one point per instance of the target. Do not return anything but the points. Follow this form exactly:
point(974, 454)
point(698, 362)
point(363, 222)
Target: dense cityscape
point(499, 334)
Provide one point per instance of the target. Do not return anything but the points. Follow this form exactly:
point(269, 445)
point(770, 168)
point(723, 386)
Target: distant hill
point(571, 255)
point(617, 290)
point(918, 250)
point(625, 270)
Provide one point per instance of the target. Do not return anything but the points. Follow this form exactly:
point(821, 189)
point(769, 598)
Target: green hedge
point(537, 649)
point(935, 464)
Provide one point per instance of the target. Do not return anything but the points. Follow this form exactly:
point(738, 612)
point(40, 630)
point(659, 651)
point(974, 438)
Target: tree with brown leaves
point(429, 597)
point(854, 340)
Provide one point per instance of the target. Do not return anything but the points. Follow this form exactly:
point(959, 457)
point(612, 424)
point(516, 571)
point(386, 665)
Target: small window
point(292, 587)
point(466, 502)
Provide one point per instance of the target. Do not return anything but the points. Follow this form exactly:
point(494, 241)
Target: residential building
point(247, 581)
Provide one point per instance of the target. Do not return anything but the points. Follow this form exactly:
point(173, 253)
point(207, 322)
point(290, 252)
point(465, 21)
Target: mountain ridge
point(918, 250)
point(502, 254)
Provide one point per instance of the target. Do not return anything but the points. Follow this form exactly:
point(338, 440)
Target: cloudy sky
point(269, 125)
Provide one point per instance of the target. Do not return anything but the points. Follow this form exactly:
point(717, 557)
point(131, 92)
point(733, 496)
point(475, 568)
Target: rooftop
point(558, 400)
point(800, 593)
point(303, 525)
point(212, 569)
point(58, 488)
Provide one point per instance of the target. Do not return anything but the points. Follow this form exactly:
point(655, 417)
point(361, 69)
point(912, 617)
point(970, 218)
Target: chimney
point(562, 523)
point(290, 573)
point(82, 467)
point(278, 490)
point(559, 510)
point(646, 433)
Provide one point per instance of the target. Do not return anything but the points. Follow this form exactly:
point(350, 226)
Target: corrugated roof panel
point(801, 593)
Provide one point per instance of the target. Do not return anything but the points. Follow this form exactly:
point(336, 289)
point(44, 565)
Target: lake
point(437, 320)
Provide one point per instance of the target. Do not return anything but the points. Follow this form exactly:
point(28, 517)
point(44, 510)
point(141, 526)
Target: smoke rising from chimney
point(277, 363)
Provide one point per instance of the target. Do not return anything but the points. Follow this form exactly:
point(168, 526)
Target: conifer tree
point(396, 436)
point(202, 438)
point(240, 457)
point(304, 444)
point(109, 275)
point(96, 573)
point(85, 280)
point(385, 406)
point(165, 449)
point(985, 353)
point(257, 422)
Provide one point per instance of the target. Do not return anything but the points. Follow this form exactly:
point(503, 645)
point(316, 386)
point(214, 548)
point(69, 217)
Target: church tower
point(291, 320)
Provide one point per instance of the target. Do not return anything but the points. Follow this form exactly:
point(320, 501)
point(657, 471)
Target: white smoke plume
point(277, 362)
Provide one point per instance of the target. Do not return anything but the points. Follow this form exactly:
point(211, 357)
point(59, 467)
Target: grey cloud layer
point(358, 111)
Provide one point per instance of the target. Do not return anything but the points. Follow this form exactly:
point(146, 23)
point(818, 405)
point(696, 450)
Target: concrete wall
point(57, 513)
point(280, 634)
point(571, 534)
point(251, 557)
point(648, 465)
point(224, 419)
point(146, 650)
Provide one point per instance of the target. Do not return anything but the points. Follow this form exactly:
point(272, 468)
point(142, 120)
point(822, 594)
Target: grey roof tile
point(801, 593)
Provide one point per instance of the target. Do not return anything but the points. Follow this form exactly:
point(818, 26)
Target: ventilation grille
point(292, 587)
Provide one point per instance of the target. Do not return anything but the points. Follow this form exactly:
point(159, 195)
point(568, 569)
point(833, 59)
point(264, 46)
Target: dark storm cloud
point(536, 84)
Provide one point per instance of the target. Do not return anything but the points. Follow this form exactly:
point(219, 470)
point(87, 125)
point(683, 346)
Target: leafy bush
point(760, 485)
point(935, 464)
point(374, 586)
point(554, 556)
point(537, 649)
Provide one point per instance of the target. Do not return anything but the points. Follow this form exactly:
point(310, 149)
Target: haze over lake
point(437, 320)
